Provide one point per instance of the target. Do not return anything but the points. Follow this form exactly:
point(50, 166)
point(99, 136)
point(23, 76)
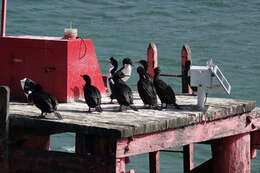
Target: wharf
point(104, 141)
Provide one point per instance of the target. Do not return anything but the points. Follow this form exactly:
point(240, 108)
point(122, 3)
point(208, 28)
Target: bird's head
point(86, 79)
point(143, 63)
point(157, 70)
point(140, 70)
point(127, 61)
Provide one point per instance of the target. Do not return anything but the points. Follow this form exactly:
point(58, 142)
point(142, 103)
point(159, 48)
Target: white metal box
point(200, 75)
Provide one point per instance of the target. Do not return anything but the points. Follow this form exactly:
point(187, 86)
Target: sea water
point(227, 31)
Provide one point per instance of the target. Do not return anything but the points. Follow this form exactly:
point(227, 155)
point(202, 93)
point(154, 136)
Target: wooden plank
point(28, 160)
point(154, 162)
point(232, 154)
point(182, 136)
point(122, 124)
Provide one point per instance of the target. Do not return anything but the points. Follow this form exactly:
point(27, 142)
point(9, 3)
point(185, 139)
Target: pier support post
point(232, 154)
point(188, 158)
point(100, 146)
point(154, 162)
point(152, 58)
point(185, 66)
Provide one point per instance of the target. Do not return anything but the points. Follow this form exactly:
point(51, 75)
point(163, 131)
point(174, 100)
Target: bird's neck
point(127, 69)
point(113, 69)
point(156, 76)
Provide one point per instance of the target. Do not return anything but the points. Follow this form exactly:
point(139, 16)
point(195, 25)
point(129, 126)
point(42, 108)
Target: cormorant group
point(148, 88)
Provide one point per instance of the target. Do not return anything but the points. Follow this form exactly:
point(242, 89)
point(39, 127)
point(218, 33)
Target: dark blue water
point(226, 31)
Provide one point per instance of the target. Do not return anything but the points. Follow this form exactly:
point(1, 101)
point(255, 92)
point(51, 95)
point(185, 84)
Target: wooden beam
point(232, 154)
point(95, 145)
point(171, 75)
point(183, 136)
point(31, 160)
point(154, 162)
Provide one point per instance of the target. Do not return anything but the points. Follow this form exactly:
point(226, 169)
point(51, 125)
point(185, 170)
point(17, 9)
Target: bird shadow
point(76, 93)
point(186, 108)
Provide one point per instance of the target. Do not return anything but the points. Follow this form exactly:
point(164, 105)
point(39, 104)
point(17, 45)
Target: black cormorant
point(145, 66)
point(92, 95)
point(126, 69)
point(122, 92)
point(164, 91)
point(44, 101)
point(146, 89)
point(113, 67)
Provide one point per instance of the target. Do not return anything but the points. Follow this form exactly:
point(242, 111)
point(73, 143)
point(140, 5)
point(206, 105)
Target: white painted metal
point(202, 77)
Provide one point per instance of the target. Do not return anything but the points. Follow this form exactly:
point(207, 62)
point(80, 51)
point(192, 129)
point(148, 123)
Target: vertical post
point(255, 143)
point(232, 154)
point(154, 162)
point(152, 58)
point(102, 146)
point(3, 21)
point(188, 158)
point(185, 66)
point(4, 109)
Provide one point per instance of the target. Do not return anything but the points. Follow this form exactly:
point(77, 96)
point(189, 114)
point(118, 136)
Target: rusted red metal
point(152, 58)
point(54, 63)
point(232, 154)
point(3, 21)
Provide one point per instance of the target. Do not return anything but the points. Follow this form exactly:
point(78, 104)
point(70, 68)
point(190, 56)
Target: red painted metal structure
point(53, 62)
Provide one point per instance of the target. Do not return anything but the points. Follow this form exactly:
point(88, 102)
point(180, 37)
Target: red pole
point(3, 23)
point(152, 58)
point(185, 64)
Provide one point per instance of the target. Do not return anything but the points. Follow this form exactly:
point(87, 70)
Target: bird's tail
point(156, 107)
point(133, 107)
point(99, 109)
point(177, 106)
point(58, 115)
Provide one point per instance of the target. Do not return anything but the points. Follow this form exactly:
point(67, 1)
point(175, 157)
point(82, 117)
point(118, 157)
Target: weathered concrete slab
point(124, 124)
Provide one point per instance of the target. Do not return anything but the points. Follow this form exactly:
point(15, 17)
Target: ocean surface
point(228, 31)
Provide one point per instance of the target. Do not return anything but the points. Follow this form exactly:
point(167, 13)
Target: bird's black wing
point(97, 95)
point(147, 92)
point(53, 100)
point(42, 101)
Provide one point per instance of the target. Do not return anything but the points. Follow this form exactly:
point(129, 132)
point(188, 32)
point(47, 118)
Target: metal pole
point(3, 22)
